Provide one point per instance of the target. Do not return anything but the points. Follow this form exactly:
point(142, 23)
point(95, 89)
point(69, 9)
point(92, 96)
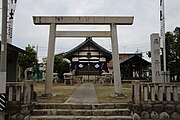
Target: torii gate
point(113, 21)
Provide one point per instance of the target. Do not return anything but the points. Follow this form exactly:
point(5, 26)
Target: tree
point(173, 53)
point(27, 60)
point(61, 66)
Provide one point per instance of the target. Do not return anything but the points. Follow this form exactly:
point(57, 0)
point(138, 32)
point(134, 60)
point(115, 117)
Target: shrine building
point(89, 58)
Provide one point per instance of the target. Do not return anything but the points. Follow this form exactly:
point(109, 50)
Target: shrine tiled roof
point(91, 42)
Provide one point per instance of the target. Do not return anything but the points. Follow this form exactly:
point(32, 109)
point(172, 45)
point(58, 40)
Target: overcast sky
point(130, 38)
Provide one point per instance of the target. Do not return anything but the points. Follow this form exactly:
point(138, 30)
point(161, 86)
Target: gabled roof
point(13, 48)
point(91, 42)
point(134, 59)
point(131, 54)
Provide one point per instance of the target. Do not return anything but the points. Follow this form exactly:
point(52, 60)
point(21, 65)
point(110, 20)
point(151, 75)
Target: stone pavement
point(85, 94)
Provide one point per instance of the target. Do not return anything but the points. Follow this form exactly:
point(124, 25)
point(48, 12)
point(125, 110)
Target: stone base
point(156, 111)
point(118, 95)
point(47, 95)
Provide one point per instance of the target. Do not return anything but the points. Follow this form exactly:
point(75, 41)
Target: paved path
point(86, 93)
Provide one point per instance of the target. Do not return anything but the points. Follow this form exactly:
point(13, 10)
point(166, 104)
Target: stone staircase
point(60, 111)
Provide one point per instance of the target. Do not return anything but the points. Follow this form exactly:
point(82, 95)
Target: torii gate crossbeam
point(83, 20)
point(113, 21)
point(83, 34)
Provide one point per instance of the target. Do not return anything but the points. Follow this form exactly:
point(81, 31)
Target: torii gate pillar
point(115, 60)
point(50, 60)
point(82, 20)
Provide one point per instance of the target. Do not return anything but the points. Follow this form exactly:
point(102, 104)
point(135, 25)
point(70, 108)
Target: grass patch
point(62, 92)
point(104, 92)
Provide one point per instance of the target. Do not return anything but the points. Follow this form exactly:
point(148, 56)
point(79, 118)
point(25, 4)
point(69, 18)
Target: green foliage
point(61, 66)
point(173, 53)
point(27, 60)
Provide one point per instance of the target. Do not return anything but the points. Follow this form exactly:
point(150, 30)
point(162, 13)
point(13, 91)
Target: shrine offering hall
point(89, 58)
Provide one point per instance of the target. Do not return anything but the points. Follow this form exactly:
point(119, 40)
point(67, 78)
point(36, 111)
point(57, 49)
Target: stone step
point(78, 118)
point(81, 106)
point(82, 112)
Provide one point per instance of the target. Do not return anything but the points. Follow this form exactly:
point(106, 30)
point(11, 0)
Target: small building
point(123, 57)
point(135, 68)
point(88, 58)
point(12, 62)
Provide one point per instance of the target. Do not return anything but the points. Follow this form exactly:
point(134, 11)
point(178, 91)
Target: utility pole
point(162, 38)
point(3, 62)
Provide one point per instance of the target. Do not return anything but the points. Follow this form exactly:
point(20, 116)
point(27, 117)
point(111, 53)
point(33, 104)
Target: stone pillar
point(136, 91)
point(145, 92)
point(175, 93)
point(160, 93)
point(27, 91)
point(155, 58)
point(50, 61)
point(115, 59)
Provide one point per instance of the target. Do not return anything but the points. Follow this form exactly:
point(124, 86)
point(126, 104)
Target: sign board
point(12, 7)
